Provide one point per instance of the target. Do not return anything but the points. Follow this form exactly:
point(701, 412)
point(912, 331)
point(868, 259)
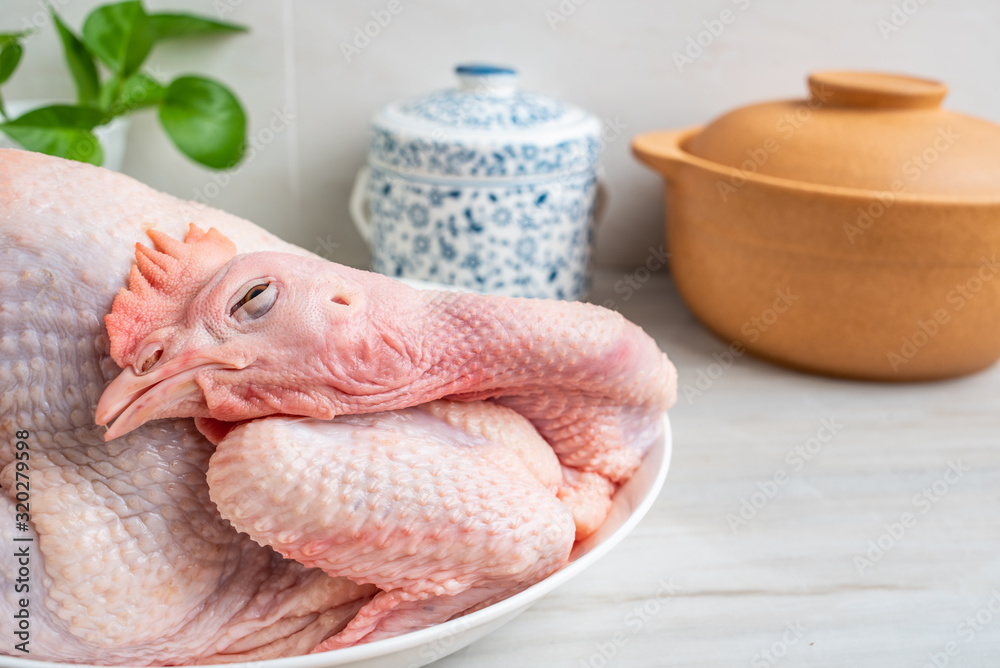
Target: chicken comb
point(161, 285)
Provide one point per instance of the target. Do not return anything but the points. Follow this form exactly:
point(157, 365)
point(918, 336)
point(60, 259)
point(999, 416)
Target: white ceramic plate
point(421, 647)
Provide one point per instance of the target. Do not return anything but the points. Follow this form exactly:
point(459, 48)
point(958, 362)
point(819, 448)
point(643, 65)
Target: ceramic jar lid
point(486, 128)
point(860, 130)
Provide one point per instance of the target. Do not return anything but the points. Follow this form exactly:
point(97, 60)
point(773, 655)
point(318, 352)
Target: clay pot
point(855, 233)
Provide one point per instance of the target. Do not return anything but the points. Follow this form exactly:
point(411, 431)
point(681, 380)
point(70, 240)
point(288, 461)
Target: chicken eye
point(257, 301)
point(148, 358)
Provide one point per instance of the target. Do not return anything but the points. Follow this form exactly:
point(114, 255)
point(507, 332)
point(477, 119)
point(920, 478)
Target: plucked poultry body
point(131, 562)
point(450, 449)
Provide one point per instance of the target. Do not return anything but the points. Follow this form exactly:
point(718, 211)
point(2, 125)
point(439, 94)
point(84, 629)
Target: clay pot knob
point(871, 90)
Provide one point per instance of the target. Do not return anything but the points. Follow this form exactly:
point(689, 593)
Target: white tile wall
point(614, 57)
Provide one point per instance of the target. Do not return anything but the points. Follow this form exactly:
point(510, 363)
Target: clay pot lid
point(862, 130)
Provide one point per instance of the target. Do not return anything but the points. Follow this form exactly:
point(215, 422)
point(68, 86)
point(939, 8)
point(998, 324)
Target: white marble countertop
point(869, 535)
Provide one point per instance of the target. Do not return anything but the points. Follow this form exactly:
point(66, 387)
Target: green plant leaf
point(61, 115)
point(109, 89)
point(121, 35)
point(80, 62)
point(10, 56)
point(170, 26)
point(12, 37)
point(205, 121)
point(59, 130)
point(138, 92)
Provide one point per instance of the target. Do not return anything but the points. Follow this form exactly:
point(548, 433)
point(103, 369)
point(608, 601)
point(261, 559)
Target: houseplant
point(202, 117)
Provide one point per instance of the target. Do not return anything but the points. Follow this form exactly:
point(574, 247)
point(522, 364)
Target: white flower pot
point(112, 136)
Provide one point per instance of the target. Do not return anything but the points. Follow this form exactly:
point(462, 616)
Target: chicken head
point(269, 333)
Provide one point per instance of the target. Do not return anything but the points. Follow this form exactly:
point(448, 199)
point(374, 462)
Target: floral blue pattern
point(550, 262)
point(484, 111)
point(428, 156)
point(485, 187)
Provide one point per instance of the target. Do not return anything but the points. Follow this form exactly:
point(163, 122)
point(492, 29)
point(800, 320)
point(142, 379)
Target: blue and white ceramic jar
point(484, 186)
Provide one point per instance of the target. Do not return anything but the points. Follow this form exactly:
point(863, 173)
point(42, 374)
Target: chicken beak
point(136, 399)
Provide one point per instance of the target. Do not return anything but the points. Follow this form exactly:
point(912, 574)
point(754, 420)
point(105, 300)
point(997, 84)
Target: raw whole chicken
point(368, 458)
